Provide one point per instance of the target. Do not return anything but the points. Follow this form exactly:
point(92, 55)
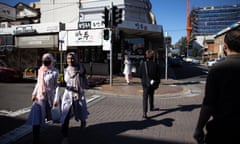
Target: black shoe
point(154, 109)
point(144, 116)
point(83, 124)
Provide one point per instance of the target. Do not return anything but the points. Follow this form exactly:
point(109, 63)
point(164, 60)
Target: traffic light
point(106, 17)
point(117, 15)
point(106, 34)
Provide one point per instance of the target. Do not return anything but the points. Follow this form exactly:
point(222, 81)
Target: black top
point(153, 71)
point(222, 92)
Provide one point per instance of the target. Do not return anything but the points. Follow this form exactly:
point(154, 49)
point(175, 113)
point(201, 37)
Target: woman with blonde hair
point(127, 69)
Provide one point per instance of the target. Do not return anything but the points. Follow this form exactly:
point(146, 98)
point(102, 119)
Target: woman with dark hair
point(74, 100)
point(150, 76)
point(43, 95)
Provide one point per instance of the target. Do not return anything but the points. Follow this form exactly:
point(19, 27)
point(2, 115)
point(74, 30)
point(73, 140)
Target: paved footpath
point(117, 118)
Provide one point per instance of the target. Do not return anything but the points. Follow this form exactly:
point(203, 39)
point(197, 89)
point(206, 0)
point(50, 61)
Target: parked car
point(187, 59)
point(175, 61)
point(195, 61)
point(9, 74)
point(220, 59)
point(212, 62)
point(191, 60)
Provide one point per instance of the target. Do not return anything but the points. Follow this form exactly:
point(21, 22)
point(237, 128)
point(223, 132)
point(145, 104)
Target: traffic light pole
point(115, 15)
point(111, 57)
point(166, 58)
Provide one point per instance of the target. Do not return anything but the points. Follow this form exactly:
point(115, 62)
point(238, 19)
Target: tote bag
point(56, 110)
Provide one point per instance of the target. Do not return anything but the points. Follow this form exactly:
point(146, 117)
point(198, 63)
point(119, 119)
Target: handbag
point(150, 82)
point(56, 110)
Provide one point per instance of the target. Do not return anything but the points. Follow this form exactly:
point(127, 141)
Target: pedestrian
point(43, 95)
point(74, 100)
point(149, 73)
point(219, 113)
point(127, 69)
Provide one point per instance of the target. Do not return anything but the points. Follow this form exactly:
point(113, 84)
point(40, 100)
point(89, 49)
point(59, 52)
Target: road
point(15, 103)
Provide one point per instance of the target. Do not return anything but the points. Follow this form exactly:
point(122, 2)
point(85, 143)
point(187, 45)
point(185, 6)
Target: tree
point(182, 45)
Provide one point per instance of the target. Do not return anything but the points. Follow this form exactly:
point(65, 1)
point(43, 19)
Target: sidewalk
point(119, 87)
point(116, 117)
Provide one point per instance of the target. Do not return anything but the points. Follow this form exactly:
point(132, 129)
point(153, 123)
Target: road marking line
point(92, 98)
point(23, 130)
point(27, 109)
point(15, 113)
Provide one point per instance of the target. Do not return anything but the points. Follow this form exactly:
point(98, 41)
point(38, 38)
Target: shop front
point(135, 38)
point(30, 50)
point(6, 47)
point(88, 45)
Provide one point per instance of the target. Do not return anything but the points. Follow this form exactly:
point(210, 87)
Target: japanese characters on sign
point(85, 37)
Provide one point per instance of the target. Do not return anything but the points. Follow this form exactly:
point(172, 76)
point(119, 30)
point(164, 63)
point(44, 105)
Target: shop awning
point(141, 29)
point(37, 41)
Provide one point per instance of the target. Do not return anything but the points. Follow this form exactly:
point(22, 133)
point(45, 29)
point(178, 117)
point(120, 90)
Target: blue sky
point(171, 14)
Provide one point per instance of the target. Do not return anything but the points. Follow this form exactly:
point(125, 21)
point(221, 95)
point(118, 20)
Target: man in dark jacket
point(150, 76)
point(220, 107)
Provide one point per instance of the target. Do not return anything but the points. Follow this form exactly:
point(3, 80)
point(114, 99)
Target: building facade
point(219, 38)
point(84, 31)
point(207, 22)
point(210, 20)
point(78, 25)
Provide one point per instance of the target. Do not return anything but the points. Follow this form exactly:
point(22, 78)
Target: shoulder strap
point(146, 69)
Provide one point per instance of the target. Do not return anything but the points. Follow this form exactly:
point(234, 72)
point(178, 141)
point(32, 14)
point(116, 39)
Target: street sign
point(84, 25)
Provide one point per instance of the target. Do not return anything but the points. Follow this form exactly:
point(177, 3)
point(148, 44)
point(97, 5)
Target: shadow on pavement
point(179, 108)
point(9, 123)
point(110, 133)
point(104, 133)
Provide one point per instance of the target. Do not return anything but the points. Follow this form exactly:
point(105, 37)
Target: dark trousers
point(36, 134)
point(65, 125)
point(222, 134)
point(148, 94)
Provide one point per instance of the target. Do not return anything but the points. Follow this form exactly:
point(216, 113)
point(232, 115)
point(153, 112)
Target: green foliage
point(195, 52)
point(182, 44)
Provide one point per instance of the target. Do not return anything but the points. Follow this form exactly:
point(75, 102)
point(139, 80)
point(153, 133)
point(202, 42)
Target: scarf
point(73, 72)
point(41, 84)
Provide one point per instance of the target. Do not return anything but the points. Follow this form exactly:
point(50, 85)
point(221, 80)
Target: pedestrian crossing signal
point(106, 34)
